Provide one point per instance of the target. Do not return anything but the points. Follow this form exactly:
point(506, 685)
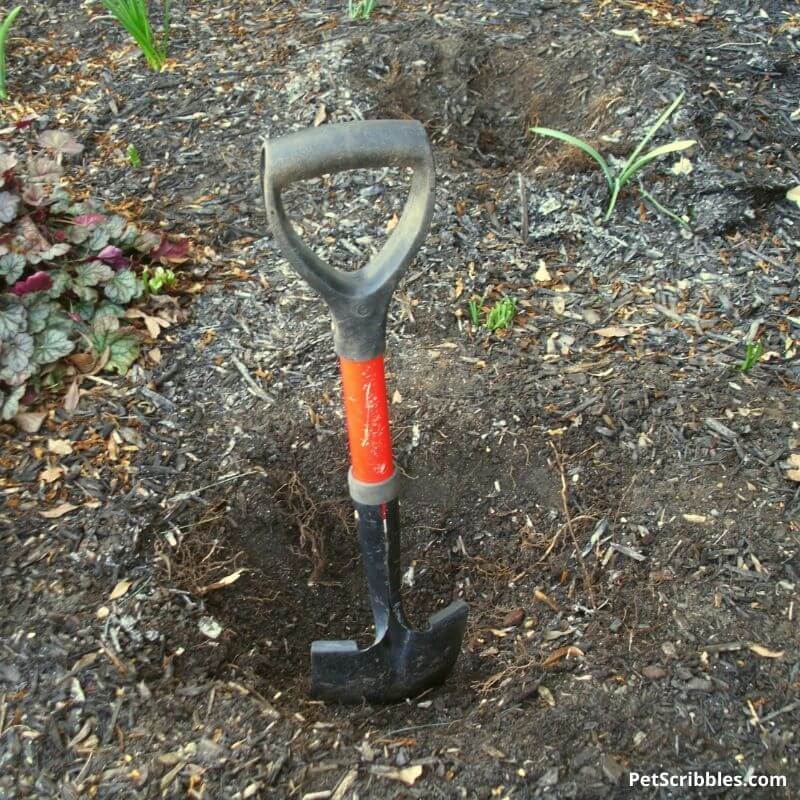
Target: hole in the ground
point(478, 100)
point(346, 218)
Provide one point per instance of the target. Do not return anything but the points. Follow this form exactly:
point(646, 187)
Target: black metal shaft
point(379, 538)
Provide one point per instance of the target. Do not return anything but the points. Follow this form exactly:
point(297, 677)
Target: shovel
point(402, 661)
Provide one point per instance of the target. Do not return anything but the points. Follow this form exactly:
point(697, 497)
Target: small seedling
point(134, 16)
point(635, 163)
point(5, 27)
point(133, 156)
point(474, 307)
point(156, 280)
point(502, 314)
point(360, 9)
point(752, 356)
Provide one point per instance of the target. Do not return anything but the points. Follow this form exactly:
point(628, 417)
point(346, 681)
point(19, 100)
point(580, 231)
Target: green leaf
point(85, 294)
point(662, 209)
point(99, 239)
point(13, 317)
point(59, 200)
point(123, 287)
point(53, 252)
point(123, 351)
point(128, 237)
point(102, 326)
point(61, 282)
point(9, 204)
point(51, 345)
point(16, 353)
point(107, 309)
point(11, 267)
point(78, 234)
point(93, 273)
point(656, 152)
point(581, 145)
point(652, 132)
point(9, 403)
point(39, 314)
point(86, 310)
point(115, 226)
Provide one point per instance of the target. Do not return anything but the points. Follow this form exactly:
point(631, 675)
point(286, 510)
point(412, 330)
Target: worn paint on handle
point(366, 409)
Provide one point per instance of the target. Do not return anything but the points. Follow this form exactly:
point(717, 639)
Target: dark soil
point(617, 509)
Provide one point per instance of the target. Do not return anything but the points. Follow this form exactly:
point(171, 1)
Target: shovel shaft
point(367, 412)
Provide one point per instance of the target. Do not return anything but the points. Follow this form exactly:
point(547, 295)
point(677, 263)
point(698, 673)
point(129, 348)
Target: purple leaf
point(114, 257)
point(88, 219)
point(38, 282)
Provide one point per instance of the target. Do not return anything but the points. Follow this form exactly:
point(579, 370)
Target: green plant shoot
point(502, 314)
point(156, 280)
point(752, 356)
point(360, 9)
point(474, 307)
point(133, 156)
point(5, 27)
point(635, 162)
point(134, 16)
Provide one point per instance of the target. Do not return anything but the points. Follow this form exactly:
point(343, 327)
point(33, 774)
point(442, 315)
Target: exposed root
point(300, 509)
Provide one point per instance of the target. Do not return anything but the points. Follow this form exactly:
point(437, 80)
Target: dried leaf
point(613, 332)
point(542, 274)
point(765, 652)
point(570, 651)
point(58, 511)
point(793, 195)
point(72, 397)
point(632, 34)
point(546, 695)
point(51, 474)
point(221, 583)
point(697, 519)
point(321, 115)
point(210, 627)
point(120, 589)
point(682, 166)
point(30, 421)
point(559, 305)
point(61, 447)
point(543, 598)
point(83, 362)
point(408, 775)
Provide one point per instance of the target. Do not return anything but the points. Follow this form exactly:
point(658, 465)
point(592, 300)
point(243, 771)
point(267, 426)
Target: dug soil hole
point(478, 100)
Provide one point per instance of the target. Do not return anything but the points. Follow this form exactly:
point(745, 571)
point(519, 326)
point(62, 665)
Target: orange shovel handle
point(366, 409)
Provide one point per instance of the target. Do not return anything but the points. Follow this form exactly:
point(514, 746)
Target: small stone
point(612, 769)
point(654, 672)
point(550, 777)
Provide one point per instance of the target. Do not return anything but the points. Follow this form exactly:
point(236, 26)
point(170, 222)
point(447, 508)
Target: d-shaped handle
point(359, 300)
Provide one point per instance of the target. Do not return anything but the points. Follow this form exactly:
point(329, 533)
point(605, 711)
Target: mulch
point(608, 491)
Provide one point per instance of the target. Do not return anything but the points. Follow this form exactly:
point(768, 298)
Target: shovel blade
point(401, 663)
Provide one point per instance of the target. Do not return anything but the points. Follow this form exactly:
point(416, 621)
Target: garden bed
point(601, 483)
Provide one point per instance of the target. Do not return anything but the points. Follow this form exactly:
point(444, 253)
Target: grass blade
point(656, 152)
point(663, 209)
point(133, 15)
point(652, 132)
point(581, 145)
point(4, 31)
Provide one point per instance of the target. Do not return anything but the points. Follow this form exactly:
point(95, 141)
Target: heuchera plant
point(67, 271)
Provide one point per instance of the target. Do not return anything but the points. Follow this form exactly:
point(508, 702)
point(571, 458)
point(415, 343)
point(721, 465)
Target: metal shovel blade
point(401, 663)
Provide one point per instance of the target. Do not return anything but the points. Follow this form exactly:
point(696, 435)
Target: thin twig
point(586, 580)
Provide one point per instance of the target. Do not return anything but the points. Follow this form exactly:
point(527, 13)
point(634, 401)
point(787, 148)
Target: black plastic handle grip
point(359, 301)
